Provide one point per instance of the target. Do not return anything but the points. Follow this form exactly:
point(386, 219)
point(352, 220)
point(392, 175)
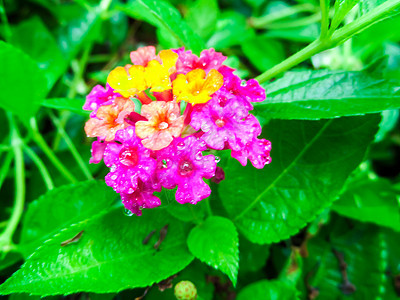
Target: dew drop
point(113, 168)
point(198, 155)
point(217, 159)
point(128, 213)
point(130, 191)
point(163, 125)
point(172, 117)
point(185, 169)
point(180, 146)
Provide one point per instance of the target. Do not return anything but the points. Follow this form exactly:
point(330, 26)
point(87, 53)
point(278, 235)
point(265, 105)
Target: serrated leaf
point(268, 290)
point(163, 15)
point(22, 83)
point(370, 200)
point(310, 162)
point(109, 256)
point(216, 242)
point(61, 207)
point(327, 94)
point(73, 105)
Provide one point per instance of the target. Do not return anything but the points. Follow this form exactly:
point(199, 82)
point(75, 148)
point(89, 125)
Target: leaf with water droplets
point(61, 207)
point(111, 251)
point(310, 162)
point(216, 243)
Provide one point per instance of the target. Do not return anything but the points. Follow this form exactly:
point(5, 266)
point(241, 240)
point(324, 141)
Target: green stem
point(296, 23)
point(208, 207)
point(340, 36)
point(314, 48)
point(4, 20)
point(37, 137)
point(6, 236)
point(6, 167)
point(324, 18)
point(41, 166)
point(264, 21)
point(71, 147)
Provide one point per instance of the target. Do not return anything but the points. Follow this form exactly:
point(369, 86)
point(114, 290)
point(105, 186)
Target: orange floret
point(109, 119)
point(164, 123)
point(195, 87)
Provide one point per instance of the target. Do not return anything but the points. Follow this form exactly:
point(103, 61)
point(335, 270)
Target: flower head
point(188, 105)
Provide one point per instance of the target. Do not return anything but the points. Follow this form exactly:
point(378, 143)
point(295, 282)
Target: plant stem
point(16, 142)
point(338, 37)
point(4, 20)
point(208, 206)
point(6, 167)
point(314, 48)
point(41, 166)
point(37, 137)
point(71, 147)
point(324, 18)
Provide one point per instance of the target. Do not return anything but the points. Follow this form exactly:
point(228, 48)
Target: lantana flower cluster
point(159, 121)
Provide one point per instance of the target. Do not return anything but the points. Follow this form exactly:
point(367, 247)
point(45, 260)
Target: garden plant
point(245, 149)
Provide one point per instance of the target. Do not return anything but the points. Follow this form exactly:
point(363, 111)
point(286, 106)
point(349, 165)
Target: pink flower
point(246, 92)
point(225, 125)
point(183, 164)
point(257, 151)
point(97, 151)
point(128, 161)
point(143, 55)
point(187, 61)
point(141, 198)
point(99, 96)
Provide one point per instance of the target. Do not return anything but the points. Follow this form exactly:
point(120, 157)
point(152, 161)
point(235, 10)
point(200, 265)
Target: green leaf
point(216, 243)
point(109, 256)
point(327, 94)
point(304, 34)
point(34, 39)
point(368, 198)
point(202, 17)
point(232, 29)
point(362, 250)
point(61, 207)
point(368, 5)
point(268, 290)
point(252, 257)
point(73, 105)
point(22, 83)
point(263, 52)
point(342, 8)
point(310, 162)
point(163, 15)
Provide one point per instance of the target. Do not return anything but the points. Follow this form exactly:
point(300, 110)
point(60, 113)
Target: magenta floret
point(187, 61)
point(257, 151)
point(183, 165)
point(224, 125)
point(128, 161)
point(99, 96)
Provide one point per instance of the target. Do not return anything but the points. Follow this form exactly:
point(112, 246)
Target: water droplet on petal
point(199, 155)
point(180, 146)
point(113, 168)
